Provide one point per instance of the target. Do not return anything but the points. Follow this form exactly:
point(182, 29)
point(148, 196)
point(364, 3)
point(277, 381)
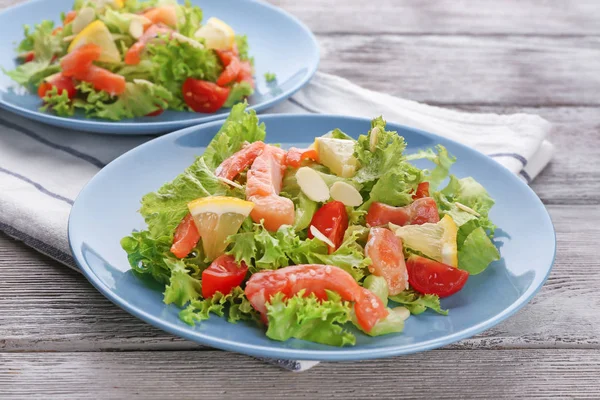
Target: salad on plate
point(117, 59)
point(319, 243)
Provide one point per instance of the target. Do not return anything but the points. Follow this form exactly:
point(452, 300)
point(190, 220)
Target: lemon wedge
point(337, 155)
point(216, 34)
point(97, 33)
point(436, 241)
point(217, 218)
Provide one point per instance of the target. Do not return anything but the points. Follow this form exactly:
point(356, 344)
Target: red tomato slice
point(419, 212)
point(103, 79)
point(186, 237)
point(230, 73)
point(165, 14)
point(294, 156)
point(57, 30)
point(61, 83)
point(203, 96)
point(28, 57)
point(314, 279)
point(71, 15)
point(332, 221)
point(431, 277)
point(263, 186)
point(422, 191)
point(133, 55)
point(238, 162)
point(245, 74)
point(79, 61)
point(222, 275)
point(387, 257)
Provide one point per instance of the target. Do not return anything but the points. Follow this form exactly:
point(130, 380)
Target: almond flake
point(467, 209)
point(312, 184)
point(230, 182)
point(346, 193)
point(317, 234)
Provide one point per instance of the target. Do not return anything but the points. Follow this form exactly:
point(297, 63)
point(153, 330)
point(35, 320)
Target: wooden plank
point(45, 306)
point(218, 375)
point(474, 17)
point(506, 71)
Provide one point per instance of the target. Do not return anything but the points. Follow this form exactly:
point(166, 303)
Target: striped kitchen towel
point(43, 168)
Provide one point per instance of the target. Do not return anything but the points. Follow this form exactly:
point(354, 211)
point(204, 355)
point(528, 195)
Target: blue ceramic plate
point(106, 211)
point(279, 43)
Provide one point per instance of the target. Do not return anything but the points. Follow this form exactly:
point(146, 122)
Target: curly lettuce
point(307, 318)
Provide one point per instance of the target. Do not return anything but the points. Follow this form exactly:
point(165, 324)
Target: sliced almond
point(346, 193)
point(373, 139)
point(184, 39)
point(317, 234)
point(467, 209)
point(312, 185)
point(84, 17)
point(230, 182)
point(69, 38)
point(136, 28)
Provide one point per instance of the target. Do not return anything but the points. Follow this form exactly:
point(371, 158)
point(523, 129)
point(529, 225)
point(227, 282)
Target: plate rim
point(338, 354)
point(137, 128)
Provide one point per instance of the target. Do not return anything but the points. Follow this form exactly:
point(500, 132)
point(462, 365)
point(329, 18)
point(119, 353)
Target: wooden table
point(60, 338)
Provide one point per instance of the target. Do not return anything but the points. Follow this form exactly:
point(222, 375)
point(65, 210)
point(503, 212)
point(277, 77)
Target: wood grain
point(540, 374)
point(462, 70)
point(472, 17)
point(60, 311)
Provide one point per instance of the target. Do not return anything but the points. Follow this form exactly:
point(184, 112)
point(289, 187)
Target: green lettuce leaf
point(239, 91)
point(305, 210)
point(270, 77)
point(307, 318)
point(261, 249)
point(147, 254)
point(164, 209)
point(378, 286)
point(182, 287)
point(173, 62)
point(41, 41)
point(417, 303)
point(59, 103)
point(396, 186)
point(387, 153)
point(190, 18)
point(241, 42)
point(235, 304)
point(443, 162)
point(33, 73)
point(239, 128)
point(139, 99)
point(477, 252)
point(468, 192)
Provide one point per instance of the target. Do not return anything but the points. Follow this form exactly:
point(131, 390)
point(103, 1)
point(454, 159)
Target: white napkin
point(43, 168)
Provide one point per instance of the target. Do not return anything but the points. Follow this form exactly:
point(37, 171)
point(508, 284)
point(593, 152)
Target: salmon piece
point(315, 278)
point(263, 186)
point(165, 14)
point(421, 211)
point(385, 251)
point(238, 162)
point(133, 55)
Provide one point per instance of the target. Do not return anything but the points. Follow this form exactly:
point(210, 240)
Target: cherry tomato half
point(332, 221)
point(431, 277)
point(203, 96)
point(222, 276)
